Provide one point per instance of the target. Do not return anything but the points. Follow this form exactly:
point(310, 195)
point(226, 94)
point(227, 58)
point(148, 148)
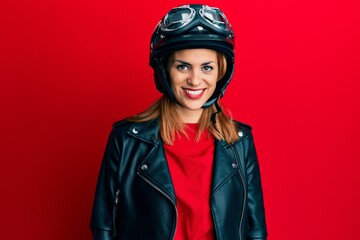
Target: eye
point(207, 68)
point(182, 67)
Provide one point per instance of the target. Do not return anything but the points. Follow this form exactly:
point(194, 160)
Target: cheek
point(174, 78)
point(214, 79)
point(174, 83)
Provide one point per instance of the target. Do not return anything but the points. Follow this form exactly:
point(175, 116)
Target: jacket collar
point(149, 132)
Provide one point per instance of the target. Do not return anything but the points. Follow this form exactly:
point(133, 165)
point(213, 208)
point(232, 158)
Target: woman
point(183, 169)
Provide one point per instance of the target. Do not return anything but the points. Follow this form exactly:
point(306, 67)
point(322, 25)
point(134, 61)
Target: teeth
point(194, 92)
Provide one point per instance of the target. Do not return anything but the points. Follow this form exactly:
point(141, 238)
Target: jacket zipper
point(116, 202)
point(163, 193)
point(243, 183)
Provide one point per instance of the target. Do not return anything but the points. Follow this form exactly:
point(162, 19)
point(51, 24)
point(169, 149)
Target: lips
point(194, 93)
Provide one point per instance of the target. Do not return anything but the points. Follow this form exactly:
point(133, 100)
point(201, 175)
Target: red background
point(69, 69)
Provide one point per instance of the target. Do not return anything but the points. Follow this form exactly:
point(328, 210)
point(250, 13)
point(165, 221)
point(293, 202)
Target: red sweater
point(190, 164)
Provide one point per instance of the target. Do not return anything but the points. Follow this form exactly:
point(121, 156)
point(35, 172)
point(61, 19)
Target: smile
point(194, 94)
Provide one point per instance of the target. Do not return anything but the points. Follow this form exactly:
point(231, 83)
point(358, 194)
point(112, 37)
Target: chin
point(194, 107)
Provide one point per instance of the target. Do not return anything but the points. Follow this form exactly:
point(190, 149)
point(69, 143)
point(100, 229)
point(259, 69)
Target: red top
point(190, 164)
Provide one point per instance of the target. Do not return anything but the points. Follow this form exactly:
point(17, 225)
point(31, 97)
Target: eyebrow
point(186, 63)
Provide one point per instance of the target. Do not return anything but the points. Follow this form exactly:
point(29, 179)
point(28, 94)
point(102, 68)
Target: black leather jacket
point(135, 198)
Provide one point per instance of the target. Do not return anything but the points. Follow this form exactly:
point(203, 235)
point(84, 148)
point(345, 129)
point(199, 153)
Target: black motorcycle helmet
point(187, 27)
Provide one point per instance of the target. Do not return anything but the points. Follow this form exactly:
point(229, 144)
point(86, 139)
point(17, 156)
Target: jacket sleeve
point(104, 207)
point(257, 225)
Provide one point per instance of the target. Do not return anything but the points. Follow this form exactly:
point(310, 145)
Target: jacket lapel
point(157, 172)
point(154, 168)
point(224, 165)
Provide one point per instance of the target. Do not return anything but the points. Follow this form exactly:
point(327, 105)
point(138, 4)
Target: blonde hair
point(170, 122)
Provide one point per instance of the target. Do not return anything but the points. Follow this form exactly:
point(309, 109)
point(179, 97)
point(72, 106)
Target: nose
point(194, 79)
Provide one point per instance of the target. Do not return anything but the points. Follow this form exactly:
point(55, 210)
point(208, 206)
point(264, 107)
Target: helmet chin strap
point(162, 83)
point(218, 110)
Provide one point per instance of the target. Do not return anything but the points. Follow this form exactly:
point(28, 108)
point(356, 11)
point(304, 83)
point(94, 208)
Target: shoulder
point(242, 125)
point(120, 127)
point(147, 131)
point(243, 128)
point(125, 124)
point(121, 124)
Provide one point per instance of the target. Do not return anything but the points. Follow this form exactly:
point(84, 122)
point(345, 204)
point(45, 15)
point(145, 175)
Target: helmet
point(187, 27)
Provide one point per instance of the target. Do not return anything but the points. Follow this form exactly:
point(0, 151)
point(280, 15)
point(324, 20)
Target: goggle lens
point(178, 18)
point(215, 17)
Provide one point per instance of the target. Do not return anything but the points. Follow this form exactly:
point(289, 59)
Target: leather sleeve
point(257, 225)
point(103, 213)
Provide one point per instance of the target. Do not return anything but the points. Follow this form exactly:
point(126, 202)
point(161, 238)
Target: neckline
point(192, 125)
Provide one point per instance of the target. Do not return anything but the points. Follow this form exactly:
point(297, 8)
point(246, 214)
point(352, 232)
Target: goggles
point(183, 18)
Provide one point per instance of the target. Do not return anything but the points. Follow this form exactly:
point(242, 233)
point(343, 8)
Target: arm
point(257, 225)
point(104, 208)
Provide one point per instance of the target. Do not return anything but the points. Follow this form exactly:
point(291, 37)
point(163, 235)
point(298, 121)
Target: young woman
point(183, 169)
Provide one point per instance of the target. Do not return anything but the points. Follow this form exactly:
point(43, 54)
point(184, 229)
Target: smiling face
point(193, 75)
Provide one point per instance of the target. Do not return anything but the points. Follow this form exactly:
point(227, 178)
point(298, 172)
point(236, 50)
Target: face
point(193, 75)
